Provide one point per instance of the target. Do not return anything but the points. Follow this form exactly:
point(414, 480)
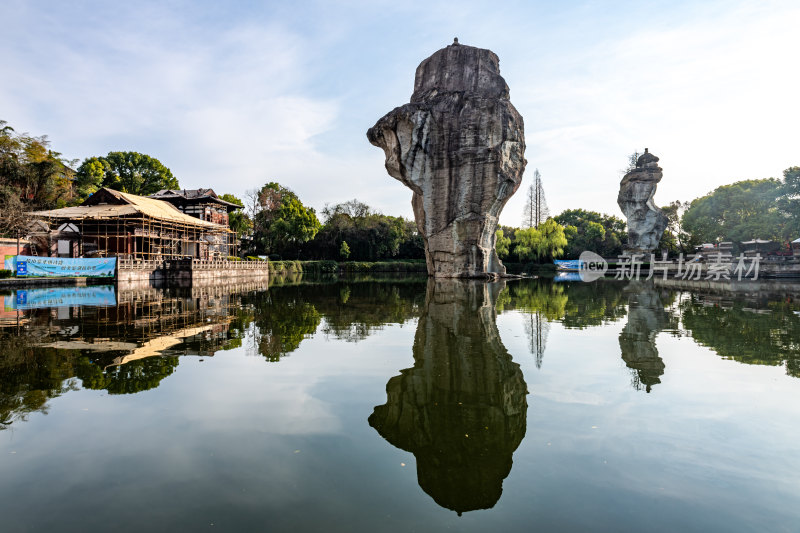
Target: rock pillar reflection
point(646, 318)
point(461, 409)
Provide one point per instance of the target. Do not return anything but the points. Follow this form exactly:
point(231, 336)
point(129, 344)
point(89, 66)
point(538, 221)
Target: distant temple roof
point(192, 196)
point(108, 203)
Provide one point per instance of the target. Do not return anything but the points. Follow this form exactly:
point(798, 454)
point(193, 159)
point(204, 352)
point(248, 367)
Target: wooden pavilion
point(204, 204)
point(114, 223)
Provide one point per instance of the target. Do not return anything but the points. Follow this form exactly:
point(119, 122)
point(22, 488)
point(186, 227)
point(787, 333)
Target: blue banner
point(95, 296)
point(62, 267)
point(10, 263)
point(568, 264)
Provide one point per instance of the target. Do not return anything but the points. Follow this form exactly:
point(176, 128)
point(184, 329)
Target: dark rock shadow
point(646, 318)
point(461, 410)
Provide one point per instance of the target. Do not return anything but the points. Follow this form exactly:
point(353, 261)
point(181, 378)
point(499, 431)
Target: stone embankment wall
point(186, 273)
point(744, 288)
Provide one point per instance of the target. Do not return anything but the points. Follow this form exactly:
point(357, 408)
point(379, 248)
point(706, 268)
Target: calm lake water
point(399, 405)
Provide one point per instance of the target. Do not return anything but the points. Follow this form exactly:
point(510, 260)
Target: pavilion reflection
point(120, 341)
point(461, 410)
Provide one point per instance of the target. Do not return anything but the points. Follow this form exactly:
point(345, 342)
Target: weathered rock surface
point(646, 222)
point(462, 409)
point(459, 145)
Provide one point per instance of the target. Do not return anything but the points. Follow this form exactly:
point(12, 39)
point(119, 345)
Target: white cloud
point(231, 100)
point(714, 97)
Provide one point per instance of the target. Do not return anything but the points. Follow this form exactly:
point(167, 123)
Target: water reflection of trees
point(461, 410)
point(739, 330)
point(575, 305)
point(123, 349)
point(133, 346)
point(130, 378)
point(30, 378)
point(285, 315)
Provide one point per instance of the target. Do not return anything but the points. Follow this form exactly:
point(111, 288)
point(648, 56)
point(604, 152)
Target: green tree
point(32, 172)
point(344, 250)
point(631, 162)
point(674, 240)
point(791, 182)
point(90, 175)
point(790, 200)
point(282, 223)
point(238, 221)
point(370, 236)
point(541, 244)
point(502, 244)
point(593, 231)
point(738, 212)
point(126, 171)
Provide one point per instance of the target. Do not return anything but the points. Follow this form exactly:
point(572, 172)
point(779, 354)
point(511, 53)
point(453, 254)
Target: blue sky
point(231, 95)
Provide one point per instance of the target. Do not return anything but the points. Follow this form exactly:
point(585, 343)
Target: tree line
point(274, 222)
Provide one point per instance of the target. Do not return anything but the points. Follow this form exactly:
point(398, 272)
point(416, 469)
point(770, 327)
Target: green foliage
point(282, 224)
point(238, 221)
point(32, 176)
point(738, 212)
point(631, 162)
point(130, 378)
point(6, 274)
point(592, 231)
point(285, 266)
point(344, 250)
point(541, 244)
point(534, 296)
point(383, 266)
point(90, 175)
point(320, 267)
point(502, 244)
point(125, 171)
point(741, 334)
point(790, 200)
point(675, 240)
point(282, 321)
point(791, 182)
point(308, 267)
point(369, 236)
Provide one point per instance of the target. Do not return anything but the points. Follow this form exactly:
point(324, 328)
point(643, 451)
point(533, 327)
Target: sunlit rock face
point(646, 318)
point(459, 145)
point(646, 222)
point(461, 409)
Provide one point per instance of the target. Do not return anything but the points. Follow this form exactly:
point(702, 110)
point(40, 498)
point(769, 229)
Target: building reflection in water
point(461, 409)
point(122, 342)
point(646, 318)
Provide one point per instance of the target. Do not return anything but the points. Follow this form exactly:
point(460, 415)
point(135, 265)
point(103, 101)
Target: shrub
point(383, 266)
point(320, 267)
point(285, 266)
point(6, 274)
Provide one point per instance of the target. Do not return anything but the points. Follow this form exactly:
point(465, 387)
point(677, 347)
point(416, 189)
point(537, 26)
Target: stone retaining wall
point(187, 273)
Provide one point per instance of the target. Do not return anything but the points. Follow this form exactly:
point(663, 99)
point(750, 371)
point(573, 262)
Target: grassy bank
point(536, 269)
point(347, 267)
